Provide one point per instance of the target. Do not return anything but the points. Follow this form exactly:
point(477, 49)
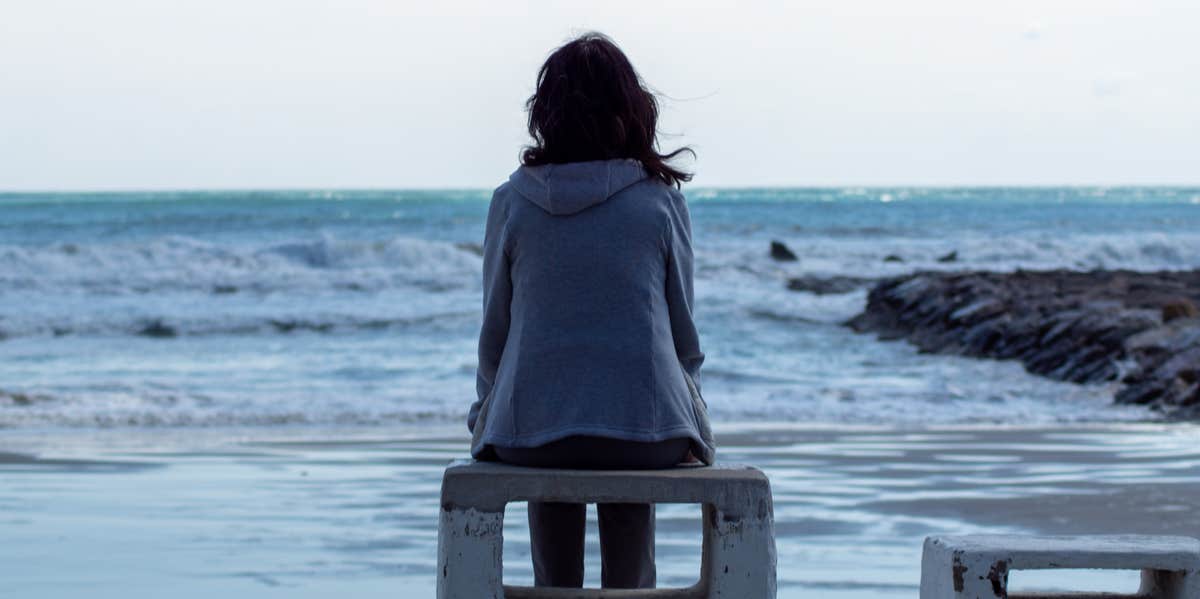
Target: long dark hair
point(590, 104)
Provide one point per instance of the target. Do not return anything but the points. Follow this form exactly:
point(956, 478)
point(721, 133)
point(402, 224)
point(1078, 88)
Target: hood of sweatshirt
point(563, 189)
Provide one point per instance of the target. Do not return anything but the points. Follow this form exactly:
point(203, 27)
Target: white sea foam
point(864, 256)
point(177, 263)
point(174, 263)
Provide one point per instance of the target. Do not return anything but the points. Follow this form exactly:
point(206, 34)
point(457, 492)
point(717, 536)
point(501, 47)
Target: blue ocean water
point(361, 307)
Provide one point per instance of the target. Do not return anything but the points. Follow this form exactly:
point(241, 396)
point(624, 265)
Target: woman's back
point(599, 337)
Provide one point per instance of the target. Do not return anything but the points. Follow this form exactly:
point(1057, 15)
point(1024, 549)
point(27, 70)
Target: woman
point(588, 355)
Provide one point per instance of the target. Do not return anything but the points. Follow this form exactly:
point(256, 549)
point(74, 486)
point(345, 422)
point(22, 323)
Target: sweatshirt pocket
point(481, 419)
point(699, 407)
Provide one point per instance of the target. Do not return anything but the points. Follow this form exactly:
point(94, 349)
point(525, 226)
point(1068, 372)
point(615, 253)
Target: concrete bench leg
point(470, 544)
point(1169, 584)
point(738, 558)
point(947, 574)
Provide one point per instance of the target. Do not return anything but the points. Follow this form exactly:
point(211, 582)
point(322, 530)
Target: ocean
point(362, 307)
point(253, 393)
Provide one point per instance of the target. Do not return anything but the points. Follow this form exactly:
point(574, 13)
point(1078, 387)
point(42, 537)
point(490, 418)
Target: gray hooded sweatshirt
point(587, 311)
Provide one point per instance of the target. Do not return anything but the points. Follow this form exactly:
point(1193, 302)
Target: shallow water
point(311, 512)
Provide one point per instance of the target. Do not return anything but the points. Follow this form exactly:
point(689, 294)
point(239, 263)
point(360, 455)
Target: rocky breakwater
point(1139, 328)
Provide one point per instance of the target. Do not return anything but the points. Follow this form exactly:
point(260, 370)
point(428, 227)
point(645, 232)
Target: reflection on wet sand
point(310, 510)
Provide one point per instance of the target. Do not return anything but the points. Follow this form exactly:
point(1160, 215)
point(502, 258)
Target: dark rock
point(225, 289)
point(977, 311)
point(18, 398)
point(1084, 327)
point(951, 257)
point(781, 252)
point(1179, 307)
point(157, 328)
point(827, 285)
point(892, 258)
point(980, 340)
point(290, 326)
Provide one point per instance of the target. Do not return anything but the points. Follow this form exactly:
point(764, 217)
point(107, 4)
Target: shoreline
point(68, 442)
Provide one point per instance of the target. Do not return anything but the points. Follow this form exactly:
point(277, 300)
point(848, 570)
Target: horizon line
point(723, 187)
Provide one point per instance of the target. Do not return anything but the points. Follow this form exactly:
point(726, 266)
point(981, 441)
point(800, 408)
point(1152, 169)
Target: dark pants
point(626, 529)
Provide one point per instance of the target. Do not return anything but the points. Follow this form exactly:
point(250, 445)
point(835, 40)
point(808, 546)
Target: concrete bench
point(976, 567)
point(737, 557)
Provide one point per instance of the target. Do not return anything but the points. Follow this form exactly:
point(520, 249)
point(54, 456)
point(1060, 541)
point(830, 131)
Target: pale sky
point(126, 94)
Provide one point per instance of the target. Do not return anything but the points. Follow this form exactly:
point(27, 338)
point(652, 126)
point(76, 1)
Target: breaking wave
point(179, 263)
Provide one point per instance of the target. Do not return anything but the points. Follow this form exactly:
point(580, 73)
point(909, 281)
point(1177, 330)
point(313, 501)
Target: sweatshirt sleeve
point(680, 295)
point(497, 299)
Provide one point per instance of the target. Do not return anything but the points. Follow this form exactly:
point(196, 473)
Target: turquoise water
point(277, 308)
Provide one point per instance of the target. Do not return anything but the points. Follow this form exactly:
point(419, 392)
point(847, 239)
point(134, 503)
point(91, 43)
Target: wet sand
point(309, 512)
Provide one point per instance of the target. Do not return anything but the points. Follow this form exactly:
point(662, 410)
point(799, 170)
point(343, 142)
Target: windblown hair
point(590, 104)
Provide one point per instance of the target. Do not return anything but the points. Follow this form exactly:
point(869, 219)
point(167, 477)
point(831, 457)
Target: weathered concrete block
point(737, 559)
point(977, 567)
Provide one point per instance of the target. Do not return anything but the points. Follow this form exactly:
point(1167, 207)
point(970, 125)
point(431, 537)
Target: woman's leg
point(626, 529)
point(555, 529)
point(626, 545)
point(556, 543)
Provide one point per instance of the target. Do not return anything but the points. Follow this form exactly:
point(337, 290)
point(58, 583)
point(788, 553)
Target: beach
point(310, 512)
